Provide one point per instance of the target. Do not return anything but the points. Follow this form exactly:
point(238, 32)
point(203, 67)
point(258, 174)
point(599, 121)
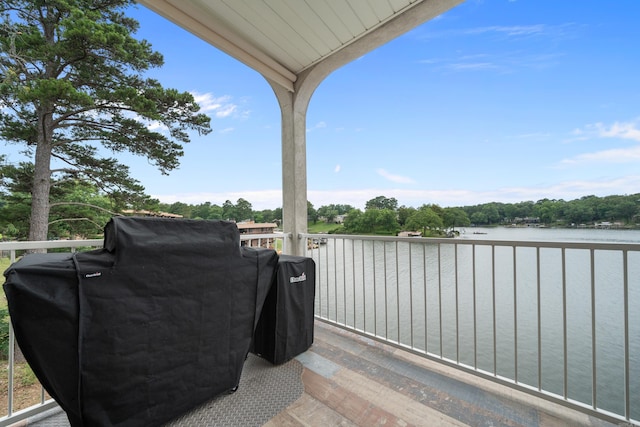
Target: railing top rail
point(52, 244)
point(263, 236)
point(621, 246)
point(49, 244)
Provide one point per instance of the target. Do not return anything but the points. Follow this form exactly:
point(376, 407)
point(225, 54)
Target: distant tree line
point(383, 216)
point(586, 210)
point(80, 209)
point(242, 210)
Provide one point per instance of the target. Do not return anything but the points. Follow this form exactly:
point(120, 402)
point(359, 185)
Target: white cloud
point(510, 30)
point(472, 66)
point(615, 155)
point(618, 130)
point(504, 63)
point(337, 168)
point(624, 130)
point(319, 125)
point(394, 178)
point(157, 126)
point(220, 107)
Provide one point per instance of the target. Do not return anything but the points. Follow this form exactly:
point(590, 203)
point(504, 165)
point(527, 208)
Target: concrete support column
point(294, 103)
point(293, 107)
point(294, 168)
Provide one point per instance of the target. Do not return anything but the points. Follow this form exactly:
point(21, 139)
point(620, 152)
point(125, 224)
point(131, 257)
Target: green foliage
point(425, 220)
point(243, 210)
point(228, 211)
point(71, 80)
point(404, 213)
point(312, 214)
point(323, 227)
point(382, 202)
point(455, 217)
point(24, 375)
point(585, 210)
point(330, 212)
point(4, 332)
point(372, 221)
point(78, 208)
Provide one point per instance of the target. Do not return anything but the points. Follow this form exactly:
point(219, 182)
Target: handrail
point(484, 306)
point(12, 416)
point(12, 248)
point(418, 293)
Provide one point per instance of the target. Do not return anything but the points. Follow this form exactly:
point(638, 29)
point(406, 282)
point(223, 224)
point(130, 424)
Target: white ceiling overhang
point(282, 38)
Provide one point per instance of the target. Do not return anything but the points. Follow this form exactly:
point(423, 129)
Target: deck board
point(352, 380)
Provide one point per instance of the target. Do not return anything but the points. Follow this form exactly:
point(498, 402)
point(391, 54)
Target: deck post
point(294, 167)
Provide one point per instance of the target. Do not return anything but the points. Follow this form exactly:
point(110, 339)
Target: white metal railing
point(558, 320)
point(13, 250)
point(275, 241)
point(552, 319)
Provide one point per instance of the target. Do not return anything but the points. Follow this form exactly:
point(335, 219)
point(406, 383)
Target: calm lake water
point(478, 305)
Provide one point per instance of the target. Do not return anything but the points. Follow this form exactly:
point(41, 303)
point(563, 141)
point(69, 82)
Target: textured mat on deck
point(264, 391)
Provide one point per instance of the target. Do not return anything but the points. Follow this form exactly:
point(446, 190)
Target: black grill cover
point(154, 324)
point(285, 328)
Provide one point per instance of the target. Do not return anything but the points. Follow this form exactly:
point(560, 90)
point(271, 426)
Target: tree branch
point(76, 219)
point(84, 204)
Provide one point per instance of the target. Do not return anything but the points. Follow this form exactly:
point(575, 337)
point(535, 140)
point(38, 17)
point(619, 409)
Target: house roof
point(283, 38)
point(252, 225)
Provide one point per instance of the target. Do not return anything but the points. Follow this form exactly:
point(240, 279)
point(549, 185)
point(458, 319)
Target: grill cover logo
point(300, 278)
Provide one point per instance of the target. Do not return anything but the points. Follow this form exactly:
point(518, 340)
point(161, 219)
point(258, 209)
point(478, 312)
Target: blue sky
point(496, 100)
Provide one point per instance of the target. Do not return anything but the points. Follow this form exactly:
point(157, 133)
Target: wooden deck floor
point(350, 380)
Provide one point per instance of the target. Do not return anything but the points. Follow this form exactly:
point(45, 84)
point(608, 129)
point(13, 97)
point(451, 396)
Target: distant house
point(339, 219)
point(250, 227)
point(528, 221)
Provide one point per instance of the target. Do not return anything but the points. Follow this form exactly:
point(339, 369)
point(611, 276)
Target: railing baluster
point(321, 281)
point(539, 316)
point(353, 279)
point(364, 286)
point(440, 299)
point(627, 401)
point(326, 253)
point(426, 310)
point(455, 263)
point(594, 387)
point(344, 282)
point(565, 384)
point(515, 314)
point(386, 299)
point(493, 308)
point(335, 278)
point(375, 292)
point(475, 318)
point(397, 293)
point(11, 373)
point(410, 296)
